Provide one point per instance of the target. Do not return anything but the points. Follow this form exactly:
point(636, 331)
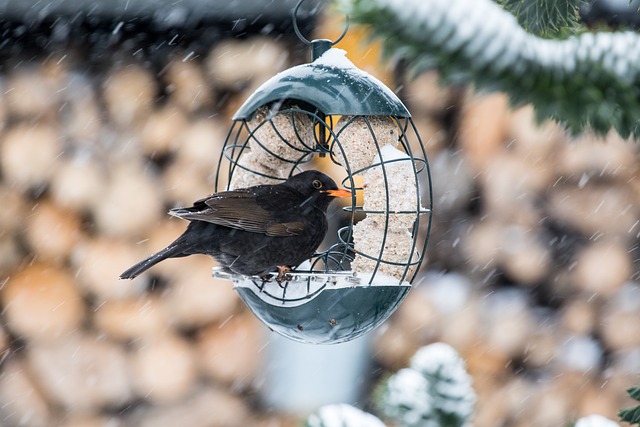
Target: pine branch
point(546, 18)
point(631, 415)
point(634, 392)
point(586, 81)
point(434, 391)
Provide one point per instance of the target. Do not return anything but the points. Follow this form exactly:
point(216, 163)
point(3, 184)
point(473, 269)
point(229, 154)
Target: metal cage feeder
point(329, 108)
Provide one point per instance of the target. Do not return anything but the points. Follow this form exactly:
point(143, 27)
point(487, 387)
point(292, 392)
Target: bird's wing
point(239, 209)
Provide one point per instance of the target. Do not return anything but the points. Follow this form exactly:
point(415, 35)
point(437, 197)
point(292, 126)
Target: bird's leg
point(265, 278)
point(283, 274)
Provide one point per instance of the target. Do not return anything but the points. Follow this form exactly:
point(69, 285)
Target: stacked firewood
point(533, 274)
point(89, 165)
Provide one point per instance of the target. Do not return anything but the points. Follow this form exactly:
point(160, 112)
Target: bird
point(255, 231)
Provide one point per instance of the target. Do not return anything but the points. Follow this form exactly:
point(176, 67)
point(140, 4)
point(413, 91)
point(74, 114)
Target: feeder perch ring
point(325, 314)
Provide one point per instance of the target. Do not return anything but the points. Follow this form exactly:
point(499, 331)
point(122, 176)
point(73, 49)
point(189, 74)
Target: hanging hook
point(344, 33)
point(294, 14)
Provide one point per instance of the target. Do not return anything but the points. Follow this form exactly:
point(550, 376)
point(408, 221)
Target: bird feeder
point(329, 109)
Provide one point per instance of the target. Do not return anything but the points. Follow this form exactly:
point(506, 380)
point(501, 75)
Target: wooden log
point(483, 128)
point(15, 208)
point(162, 130)
point(516, 392)
point(201, 142)
point(100, 261)
point(593, 157)
point(484, 361)
point(550, 403)
point(187, 86)
point(129, 93)
point(594, 208)
point(418, 317)
point(433, 135)
point(602, 268)
point(183, 183)
point(41, 302)
point(52, 233)
point(580, 314)
point(194, 298)
point(229, 352)
point(163, 368)
point(511, 179)
point(132, 318)
point(507, 323)
point(461, 330)
point(32, 92)
point(619, 316)
point(492, 405)
point(536, 142)
point(595, 400)
point(131, 203)
point(393, 347)
point(29, 153)
point(79, 183)
point(22, 402)
point(82, 372)
point(523, 256)
point(261, 58)
point(427, 95)
point(209, 407)
point(482, 244)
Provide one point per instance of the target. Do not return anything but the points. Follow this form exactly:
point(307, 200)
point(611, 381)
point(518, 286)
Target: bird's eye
point(316, 184)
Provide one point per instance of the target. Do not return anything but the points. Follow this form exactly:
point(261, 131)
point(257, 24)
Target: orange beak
point(341, 192)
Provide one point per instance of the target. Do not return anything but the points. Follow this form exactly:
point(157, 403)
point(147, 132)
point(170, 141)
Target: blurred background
point(113, 112)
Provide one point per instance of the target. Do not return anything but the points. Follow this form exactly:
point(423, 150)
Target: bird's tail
point(176, 249)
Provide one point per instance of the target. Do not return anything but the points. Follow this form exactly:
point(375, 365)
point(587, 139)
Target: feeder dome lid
point(332, 84)
point(319, 308)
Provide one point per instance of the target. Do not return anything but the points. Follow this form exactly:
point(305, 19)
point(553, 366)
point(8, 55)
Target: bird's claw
point(283, 274)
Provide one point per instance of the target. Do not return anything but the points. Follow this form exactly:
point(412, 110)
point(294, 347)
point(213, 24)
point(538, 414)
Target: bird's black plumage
point(255, 230)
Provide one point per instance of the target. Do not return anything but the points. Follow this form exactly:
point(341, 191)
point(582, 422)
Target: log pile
point(90, 163)
point(533, 276)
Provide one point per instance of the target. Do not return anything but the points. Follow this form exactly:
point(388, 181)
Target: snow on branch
point(591, 80)
point(434, 391)
point(342, 415)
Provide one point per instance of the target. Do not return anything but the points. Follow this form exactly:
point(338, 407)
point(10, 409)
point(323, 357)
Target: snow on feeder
point(331, 109)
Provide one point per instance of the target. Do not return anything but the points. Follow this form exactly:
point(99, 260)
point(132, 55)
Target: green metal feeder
point(330, 108)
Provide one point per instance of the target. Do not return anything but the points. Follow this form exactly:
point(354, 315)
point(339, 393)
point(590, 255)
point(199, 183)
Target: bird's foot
point(283, 274)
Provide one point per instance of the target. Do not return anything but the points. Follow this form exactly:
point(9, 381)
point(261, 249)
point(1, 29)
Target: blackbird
point(257, 230)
